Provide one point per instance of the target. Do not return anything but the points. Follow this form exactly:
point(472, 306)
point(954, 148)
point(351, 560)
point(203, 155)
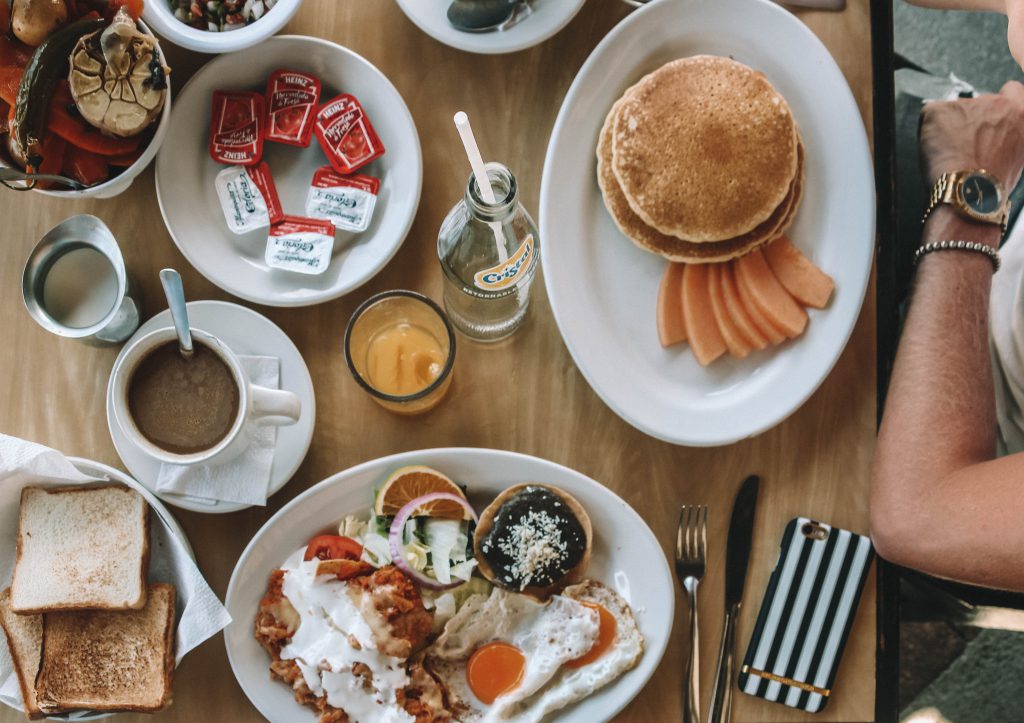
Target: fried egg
point(618, 649)
point(500, 650)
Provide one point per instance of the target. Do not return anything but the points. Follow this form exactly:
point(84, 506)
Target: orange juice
point(400, 348)
point(403, 359)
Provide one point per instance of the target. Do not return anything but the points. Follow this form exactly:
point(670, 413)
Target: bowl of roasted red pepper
point(84, 93)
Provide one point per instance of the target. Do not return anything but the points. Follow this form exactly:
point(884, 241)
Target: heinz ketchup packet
point(236, 127)
point(292, 99)
point(346, 135)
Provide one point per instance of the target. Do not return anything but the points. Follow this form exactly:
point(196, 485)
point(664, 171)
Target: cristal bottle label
point(510, 272)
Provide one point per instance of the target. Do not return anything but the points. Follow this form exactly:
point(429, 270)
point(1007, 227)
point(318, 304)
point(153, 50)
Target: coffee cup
point(195, 411)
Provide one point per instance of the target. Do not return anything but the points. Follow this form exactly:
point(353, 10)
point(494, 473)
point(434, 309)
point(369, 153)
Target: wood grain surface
point(816, 463)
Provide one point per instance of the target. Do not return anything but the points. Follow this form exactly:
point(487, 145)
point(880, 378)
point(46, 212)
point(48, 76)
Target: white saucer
point(246, 332)
point(547, 18)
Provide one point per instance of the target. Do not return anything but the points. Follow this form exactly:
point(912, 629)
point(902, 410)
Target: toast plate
point(603, 288)
point(102, 471)
point(235, 262)
point(631, 562)
point(547, 18)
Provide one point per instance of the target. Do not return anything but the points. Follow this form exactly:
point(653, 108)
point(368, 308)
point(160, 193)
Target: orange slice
point(406, 484)
point(738, 345)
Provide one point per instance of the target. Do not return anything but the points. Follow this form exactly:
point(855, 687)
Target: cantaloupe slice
point(802, 279)
point(768, 294)
point(701, 328)
point(671, 325)
point(765, 325)
point(735, 308)
point(738, 346)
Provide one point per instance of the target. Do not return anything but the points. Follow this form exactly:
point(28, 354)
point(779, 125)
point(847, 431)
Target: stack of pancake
point(701, 161)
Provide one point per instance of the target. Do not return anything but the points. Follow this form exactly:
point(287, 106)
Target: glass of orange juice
point(400, 347)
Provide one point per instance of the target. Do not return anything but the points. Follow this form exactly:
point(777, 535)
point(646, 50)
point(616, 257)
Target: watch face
point(981, 194)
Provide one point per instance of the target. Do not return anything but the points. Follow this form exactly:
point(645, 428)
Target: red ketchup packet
point(236, 127)
point(248, 197)
point(347, 201)
point(300, 244)
point(346, 135)
point(292, 99)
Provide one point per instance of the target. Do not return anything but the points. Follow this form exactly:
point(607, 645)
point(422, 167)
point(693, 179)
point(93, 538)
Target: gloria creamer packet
point(300, 244)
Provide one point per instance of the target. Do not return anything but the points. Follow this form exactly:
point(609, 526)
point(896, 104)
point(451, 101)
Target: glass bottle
point(489, 254)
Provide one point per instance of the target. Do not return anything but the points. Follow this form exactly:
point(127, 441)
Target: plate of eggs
point(450, 584)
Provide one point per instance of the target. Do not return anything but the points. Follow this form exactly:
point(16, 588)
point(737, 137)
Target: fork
point(691, 546)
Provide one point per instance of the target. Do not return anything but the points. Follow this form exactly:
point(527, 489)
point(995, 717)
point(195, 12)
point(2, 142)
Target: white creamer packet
point(302, 245)
point(248, 197)
point(345, 201)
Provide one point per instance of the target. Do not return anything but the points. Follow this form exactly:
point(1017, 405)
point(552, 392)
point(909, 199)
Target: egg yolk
point(493, 669)
point(605, 637)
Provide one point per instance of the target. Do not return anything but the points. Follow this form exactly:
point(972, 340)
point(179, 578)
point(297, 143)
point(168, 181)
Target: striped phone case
point(806, 615)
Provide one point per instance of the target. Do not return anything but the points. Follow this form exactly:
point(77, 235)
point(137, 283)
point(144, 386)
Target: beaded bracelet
point(992, 254)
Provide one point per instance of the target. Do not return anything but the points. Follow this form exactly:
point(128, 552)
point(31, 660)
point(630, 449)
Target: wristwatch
point(975, 194)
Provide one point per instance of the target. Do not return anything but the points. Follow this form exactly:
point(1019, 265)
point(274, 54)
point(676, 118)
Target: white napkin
point(246, 478)
point(200, 615)
point(1006, 329)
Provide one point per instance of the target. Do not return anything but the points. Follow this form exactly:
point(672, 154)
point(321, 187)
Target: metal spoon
point(485, 16)
point(13, 174)
point(175, 293)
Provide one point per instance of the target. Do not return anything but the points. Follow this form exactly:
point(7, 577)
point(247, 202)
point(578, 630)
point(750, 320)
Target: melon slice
point(768, 294)
point(735, 308)
point(705, 338)
point(671, 325)
point(765, 325)
point(802, 279)
point(738, 345)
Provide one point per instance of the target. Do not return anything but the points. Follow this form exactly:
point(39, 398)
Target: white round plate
point(603, 288)
point(247, 333)
point(547, 18)
point(100, 470)
point(626, 556)
point(185, 174)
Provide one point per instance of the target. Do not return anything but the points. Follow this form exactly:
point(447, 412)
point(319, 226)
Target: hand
point(1015, 29)
point(985, 132)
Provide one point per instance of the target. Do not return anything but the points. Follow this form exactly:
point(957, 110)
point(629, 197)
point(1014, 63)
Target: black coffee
point(183, 405)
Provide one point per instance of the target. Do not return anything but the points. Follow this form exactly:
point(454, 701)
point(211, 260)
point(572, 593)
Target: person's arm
point(939, 501)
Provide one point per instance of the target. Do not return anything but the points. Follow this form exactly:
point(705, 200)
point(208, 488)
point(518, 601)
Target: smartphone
point(806, 615)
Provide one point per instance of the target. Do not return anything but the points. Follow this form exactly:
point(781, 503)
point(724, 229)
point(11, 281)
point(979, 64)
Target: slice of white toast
point(81, 548)
point(24, 635)
point(109, 659)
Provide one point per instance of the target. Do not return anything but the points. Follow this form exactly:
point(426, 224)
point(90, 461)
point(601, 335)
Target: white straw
point(476, 161)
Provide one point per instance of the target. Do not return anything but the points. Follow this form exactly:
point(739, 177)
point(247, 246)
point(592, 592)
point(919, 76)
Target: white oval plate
point(185, 174)
point(603, 288)
point(631, 561)
point(246, 332)
point(547, 18)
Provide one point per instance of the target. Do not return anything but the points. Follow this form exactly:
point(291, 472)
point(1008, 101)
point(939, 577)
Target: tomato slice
point(333, 547)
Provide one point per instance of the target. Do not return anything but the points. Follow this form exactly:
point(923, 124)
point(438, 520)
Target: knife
point(737, 555)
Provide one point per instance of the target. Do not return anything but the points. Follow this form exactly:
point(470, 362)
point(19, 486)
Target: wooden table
point(816, 463)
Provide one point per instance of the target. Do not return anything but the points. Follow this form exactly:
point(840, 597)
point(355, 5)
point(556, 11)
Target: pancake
point(705, 149)
point(671, 247)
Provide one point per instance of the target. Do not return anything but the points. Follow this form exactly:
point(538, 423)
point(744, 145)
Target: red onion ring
point(395, 537)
